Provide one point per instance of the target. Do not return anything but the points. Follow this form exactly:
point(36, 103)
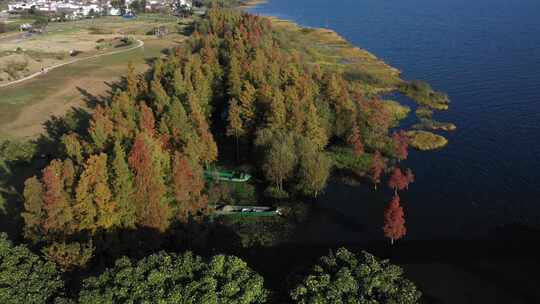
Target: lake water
point(486, 56)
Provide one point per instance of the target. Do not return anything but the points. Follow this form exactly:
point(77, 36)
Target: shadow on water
point(277, 263)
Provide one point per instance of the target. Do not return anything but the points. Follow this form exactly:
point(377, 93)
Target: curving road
point(140, 43)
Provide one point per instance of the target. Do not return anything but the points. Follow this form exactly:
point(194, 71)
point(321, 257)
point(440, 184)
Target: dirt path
point(140, 43)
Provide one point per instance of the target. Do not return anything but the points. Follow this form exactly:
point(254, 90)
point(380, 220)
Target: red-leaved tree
point(401, 144)
point(356, 142)
point(376, 168)
point(394, 222)
point(410, 177)
point(398, 181)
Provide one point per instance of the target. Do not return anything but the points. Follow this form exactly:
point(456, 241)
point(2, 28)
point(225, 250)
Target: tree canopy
point(171, 278)
point(25, 277)
point(348, 278)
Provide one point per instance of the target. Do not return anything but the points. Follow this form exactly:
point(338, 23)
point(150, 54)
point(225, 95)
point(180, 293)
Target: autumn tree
point(277, 114)
point(147, 122)
point(57, 205)
point(246, 103)
point(149, 163)
point(410, 177)
point(355, 141)
point(188, 187)
point(401, 144)
point(123, 187)
point(394, 222)
point(94, 208)
point(160, 98)
point(101, 127)
point(132, 81)
point(314, 129)
point(73, 147)
point(235, 126)
point(376, 168)
point(205, 141)
point(398, 181)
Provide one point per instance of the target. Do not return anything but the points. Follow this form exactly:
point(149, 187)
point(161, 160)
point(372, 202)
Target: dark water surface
point(486, 56)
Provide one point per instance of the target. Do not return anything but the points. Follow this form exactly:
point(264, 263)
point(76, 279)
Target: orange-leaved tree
point(394, 222)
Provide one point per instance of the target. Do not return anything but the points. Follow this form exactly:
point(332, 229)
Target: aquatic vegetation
point(429, 124)
point(425, 95)
point(424, 113)
point(396, 110)
point(424, 140)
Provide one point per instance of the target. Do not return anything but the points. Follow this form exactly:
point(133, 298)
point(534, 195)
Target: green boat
point(228, 176)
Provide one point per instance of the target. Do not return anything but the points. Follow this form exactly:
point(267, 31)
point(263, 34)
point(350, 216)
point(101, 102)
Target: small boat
point(229, 176)
point(262, 211)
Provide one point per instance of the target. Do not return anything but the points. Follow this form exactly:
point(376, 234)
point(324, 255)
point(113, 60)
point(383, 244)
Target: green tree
point(347, 278)
point(25, 277)
point(171, 278)
point(33, 205)
point(73, 147)
point(313, 168)
point(277, 116)
point(160, 98)
point(101, 127)
point(131, 78)
point(280, 159)
point(314, 129)
point(235, 126)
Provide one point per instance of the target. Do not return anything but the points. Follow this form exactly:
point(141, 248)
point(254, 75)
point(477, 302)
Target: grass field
point(25, 107)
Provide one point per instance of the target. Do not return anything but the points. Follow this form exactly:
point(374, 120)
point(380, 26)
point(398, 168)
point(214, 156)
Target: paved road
point(140, 43)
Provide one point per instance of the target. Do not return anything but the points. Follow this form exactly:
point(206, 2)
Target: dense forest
point(127, 178)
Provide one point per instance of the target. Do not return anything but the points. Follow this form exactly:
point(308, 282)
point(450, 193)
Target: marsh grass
point(329, 50)
point(430, 124)
point(424, 140)
point(345, 159)
point(425, 95)
point(397, 110)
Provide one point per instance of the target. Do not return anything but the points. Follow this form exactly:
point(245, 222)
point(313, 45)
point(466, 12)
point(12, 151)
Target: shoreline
point(350, 58)
point(251, 3)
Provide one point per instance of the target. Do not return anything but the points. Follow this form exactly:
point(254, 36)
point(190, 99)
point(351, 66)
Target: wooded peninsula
point(117, 204)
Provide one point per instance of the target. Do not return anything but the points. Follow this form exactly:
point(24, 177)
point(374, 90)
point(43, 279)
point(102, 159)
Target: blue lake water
point(486, 56)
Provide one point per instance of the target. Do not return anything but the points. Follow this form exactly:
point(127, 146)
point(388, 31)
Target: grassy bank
point(331, 51)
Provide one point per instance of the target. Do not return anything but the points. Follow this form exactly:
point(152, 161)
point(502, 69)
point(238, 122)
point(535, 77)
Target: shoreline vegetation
point(425, 141)
point(327, 48)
